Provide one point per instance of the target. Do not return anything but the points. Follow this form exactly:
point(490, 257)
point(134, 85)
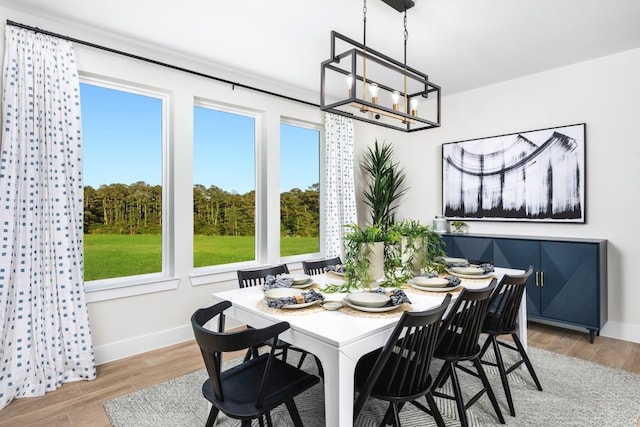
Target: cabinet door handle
point(542, 279)
point(537, 279)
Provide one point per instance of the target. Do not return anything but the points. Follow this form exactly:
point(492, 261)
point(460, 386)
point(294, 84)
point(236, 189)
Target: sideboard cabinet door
point(569, 283)
point(520, 254)
point(473, 248)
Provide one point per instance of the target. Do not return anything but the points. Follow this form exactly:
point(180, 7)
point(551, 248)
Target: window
point(123, 140)
point(299, 190)
point(224, 205)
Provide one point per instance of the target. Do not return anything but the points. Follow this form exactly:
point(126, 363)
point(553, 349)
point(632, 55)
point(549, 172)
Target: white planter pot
point(407, 253)
point(376, 260)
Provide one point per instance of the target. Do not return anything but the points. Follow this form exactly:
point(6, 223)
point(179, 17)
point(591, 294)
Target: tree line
point(137, 209)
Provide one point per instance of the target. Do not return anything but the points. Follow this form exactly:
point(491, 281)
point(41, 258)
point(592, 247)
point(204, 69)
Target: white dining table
point(337, 338)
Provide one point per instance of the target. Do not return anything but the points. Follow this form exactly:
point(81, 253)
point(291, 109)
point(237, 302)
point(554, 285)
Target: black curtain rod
point(163, 64)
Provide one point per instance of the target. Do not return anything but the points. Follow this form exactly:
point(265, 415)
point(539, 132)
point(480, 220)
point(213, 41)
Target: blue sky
point(121, 128)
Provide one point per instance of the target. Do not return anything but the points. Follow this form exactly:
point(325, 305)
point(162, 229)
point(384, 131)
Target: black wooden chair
point(399, 372)
point(257, 277)
point(459, 342)
point(317, 267)
point(502, 319)
point(254, 388)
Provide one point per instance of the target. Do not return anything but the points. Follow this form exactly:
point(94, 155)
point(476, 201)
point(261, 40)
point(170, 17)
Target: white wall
point(604, 94)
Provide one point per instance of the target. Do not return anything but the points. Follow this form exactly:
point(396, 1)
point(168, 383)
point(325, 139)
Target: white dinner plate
point(432, 282)
point(454, 260)
point(471, 276)
point(370, 309)
point(475, 271)
point(298, 279)
point(432, 289)
point(304, 284)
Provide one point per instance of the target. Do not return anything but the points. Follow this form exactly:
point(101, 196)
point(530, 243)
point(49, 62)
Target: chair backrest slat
point(317, 267)
point(256, 277)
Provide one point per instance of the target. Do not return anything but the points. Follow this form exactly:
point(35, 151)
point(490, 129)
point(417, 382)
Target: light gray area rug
point(576, 393)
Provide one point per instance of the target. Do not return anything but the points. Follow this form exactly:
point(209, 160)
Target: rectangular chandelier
point(368, 86)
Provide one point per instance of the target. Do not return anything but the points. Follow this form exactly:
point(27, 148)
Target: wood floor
point(80, 403)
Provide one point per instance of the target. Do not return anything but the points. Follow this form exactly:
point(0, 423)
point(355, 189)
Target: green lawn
point(116, 255)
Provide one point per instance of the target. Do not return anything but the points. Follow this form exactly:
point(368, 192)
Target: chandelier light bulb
point(414, 107)
point(349, 80)
point(373, 90)
point(395, 97)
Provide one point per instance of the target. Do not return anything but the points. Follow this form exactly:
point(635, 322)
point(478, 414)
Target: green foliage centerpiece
point(364, 255)
point(420, 249)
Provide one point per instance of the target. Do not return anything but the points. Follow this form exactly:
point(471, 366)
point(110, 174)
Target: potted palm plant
point(386, 183)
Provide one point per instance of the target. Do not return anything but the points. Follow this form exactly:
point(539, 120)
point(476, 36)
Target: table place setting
point(431, 282)
point(335, 270)
point(461, 267)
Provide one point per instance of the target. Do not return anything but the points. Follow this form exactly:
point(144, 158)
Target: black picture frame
point(537, 175)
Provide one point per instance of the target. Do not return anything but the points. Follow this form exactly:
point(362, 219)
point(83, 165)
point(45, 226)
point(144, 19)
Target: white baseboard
point(141, 344)
point(621, 331)
point(132, 346)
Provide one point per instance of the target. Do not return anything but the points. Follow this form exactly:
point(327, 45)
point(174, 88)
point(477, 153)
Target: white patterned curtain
point(340, 197)
point(44, 337)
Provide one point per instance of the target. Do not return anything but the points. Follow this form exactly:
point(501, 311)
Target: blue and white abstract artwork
point(528, 176)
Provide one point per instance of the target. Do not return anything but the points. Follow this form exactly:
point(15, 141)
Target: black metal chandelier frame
point(403, 119)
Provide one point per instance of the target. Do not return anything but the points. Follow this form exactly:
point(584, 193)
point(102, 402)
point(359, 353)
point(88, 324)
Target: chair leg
point(269, 420)
point(435, 412)
point(293, 411)
point(396, 414)
point(443, 375)
point(485, 347)
point(527, 362)
point(386, 420)
point(320, 370)
point(487, 387)
point(303, 355)
point(213, 414)
point(457, 393)
point(503, 374)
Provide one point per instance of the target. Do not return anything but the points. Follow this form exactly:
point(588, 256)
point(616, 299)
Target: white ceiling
point(461, 44)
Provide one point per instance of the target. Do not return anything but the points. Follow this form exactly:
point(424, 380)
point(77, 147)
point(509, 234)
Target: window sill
point(104, 290)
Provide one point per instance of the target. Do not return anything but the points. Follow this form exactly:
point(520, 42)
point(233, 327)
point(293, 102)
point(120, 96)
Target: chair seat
point(451, 341)
point(492, 324)
point(241, 385)
point(364, 369)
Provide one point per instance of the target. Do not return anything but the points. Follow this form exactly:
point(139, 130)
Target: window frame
point(321, 198)
point(217, 273)
point(165, 279)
